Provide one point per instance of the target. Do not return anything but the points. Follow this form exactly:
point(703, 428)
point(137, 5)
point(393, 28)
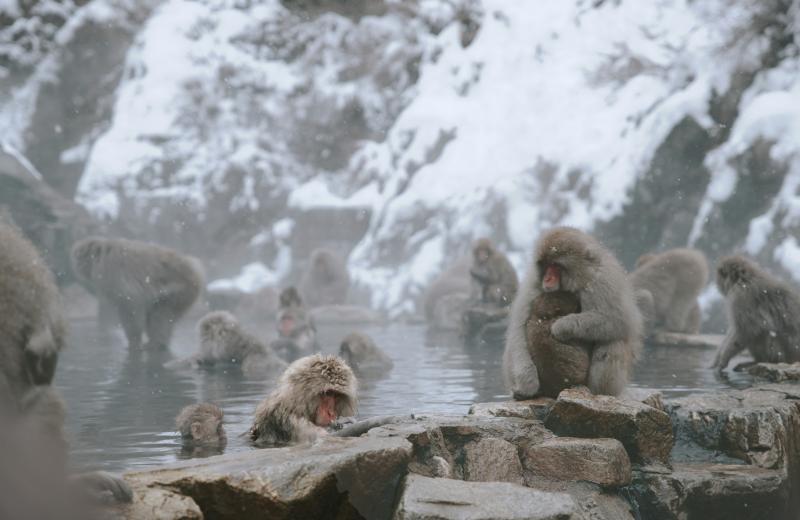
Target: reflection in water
point(122, 406)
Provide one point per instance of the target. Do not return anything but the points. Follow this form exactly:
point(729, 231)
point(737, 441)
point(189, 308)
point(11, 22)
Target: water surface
point(121, 406)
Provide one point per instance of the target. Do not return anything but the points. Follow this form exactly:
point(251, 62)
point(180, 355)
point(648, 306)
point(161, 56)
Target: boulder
point(156, 503)
point(537, 409)
point(600, 461)
point(711, 491)
point(492, 460)
point(333, 478)
point(776, 372)
point(645, 431)
point(425, 498)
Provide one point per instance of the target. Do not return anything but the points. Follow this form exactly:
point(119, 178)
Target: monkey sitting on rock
point(558, 364)
point(150, 287)
point(223, 340)
point(311, 394)
point(201, 429)
point(762, 312)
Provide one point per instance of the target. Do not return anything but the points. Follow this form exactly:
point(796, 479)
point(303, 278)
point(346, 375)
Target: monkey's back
point(559, 365)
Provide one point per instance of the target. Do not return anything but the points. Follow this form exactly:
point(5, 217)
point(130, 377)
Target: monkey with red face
point(297, 334)
point(569, 260)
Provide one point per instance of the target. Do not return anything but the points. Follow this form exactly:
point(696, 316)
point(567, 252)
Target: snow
point(253, 277)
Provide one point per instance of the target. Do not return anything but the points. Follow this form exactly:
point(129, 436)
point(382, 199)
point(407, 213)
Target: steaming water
point(121, 406)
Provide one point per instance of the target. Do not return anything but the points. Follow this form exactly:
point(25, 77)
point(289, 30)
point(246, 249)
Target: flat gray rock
point(600, 461)
point(530, 409)
point(427, 498)
point(677, 339)
point(776, 372)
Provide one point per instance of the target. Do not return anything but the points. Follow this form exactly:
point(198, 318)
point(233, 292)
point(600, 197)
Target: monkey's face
point(287, 325)
point(551, 277)
point(733, 272)
point(208, 431)
point(326, 411)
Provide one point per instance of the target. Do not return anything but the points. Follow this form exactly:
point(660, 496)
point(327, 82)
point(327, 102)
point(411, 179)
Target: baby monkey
point(559, 365)
point(200, 426)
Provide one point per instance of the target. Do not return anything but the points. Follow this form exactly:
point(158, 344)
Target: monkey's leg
point(608, 371)
point(694, 319)
point(132, 320)
point(729, 348)
point(161, 320)
point(677, 317)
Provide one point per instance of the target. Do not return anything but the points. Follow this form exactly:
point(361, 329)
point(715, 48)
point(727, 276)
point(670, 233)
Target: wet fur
point(609, 318)
point(360, 352)
point(762, 313)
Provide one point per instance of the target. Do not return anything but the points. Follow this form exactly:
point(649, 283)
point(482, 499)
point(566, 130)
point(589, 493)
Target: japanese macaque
point(201, 429)
point(494, 279)
point(559, 365)
point(363, 356)
point(762, 315)
point(297, 334)
point(567, 259)
point(312, 393)
point(448, 295)
point(150, 286)
point(223, 340)
point(32, 332)
point(326, 282)
point(667, 286)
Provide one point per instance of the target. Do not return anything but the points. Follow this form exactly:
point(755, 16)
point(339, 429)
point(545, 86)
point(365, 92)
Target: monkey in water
point(494, 278)
point(364, 357)
point(223, 340)
point(558, 365)
point(151, 287)
point(297, 334)
point(312, 393)
point(567, 259)
point(667, 286)
point(326, 282)
point(201, 429)
point(762, 315)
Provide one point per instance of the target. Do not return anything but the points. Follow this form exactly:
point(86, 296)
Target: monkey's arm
point(729, 348)
point(590, 326)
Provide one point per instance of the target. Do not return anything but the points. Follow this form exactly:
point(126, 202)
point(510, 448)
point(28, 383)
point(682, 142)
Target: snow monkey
point(150, 286)
point(312, 393)
point(567, 259)
point(297, 334)
point(494, 279)
point(326, 282)
point(667, 286)
point(223, 340)
point(762, 314)
point(201, 429)
point(364, 357)
point(558, 365)
point(32, 443)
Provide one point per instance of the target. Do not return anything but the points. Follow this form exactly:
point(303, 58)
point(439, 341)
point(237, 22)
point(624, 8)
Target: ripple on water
point(121, 406)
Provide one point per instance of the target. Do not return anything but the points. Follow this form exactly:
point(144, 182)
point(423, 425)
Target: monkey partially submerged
point(224, 341)
point(201, 429)
point(151, 287)
point(297, 334)
point(762, 312)
point(326, 282)
point(364, 357)
point(312, 393)
point(558, 364)
point(569, 260)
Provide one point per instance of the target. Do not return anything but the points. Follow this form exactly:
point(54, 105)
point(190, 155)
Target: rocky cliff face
point(218, 126)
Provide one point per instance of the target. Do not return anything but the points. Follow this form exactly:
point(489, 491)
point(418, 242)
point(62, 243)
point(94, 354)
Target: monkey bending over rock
point(667, 286)
point(312, 393)
point(569, 260)
point(558, 365)
point(763, 315)
point(151, 287)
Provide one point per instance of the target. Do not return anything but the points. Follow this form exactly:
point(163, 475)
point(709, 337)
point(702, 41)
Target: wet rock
point(345, 314)
point(677, 339)
point(537, 408)
point(426, 498)
point(492, 460)
point(711, 491)
point(647, 396)
point(601, 461)
point(645, 431)
point(160, 504)
point(776, 372)
point(334, 478)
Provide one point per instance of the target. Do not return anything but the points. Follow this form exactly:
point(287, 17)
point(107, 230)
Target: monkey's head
point(552, 305)
point(647, 257)
point(355, 347)
point(217, 326)
point(735, 271)
point(86, 254)
point(201, 425)
point(564, 259)
point(482, 250)
point(290, 297)
point(320, 382)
